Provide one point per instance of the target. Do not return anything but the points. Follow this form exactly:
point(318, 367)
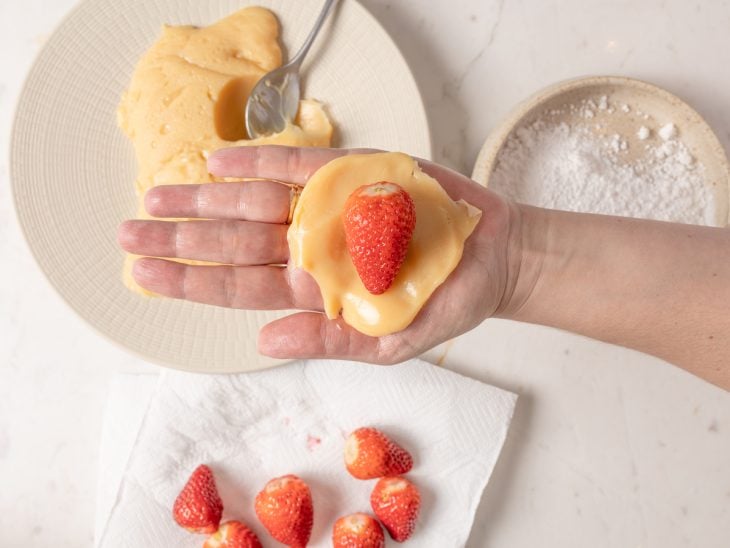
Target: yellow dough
point(187, 98)
point(317, 240)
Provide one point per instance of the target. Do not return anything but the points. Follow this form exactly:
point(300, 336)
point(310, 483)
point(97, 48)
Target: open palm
point(244, 229)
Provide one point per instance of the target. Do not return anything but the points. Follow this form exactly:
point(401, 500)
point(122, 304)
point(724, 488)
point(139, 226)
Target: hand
point(246, 229)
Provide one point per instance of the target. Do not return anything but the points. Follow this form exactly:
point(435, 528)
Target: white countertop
point(609, 448)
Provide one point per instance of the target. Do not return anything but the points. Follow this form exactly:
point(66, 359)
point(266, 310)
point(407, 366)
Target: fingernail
point(147, 271)
point(127, 235)
point(152, 201)
point(218, 158)
point(270, 344)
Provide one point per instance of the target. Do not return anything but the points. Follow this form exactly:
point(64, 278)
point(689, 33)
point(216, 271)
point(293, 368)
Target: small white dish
point(649, 105)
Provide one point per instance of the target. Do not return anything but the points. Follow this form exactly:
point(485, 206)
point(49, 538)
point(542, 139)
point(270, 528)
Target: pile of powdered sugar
point(569, 166)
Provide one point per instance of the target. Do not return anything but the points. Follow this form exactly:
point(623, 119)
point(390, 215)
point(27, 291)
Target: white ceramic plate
point(72, 170)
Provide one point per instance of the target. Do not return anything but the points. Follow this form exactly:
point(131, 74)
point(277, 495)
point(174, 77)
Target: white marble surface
point(609, 448)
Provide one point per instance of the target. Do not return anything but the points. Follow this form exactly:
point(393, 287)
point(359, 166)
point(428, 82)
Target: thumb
point(312, 335)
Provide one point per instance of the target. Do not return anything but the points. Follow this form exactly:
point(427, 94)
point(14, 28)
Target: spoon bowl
point(274, 100)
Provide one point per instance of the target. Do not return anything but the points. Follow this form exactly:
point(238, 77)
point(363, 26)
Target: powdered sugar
point(571, 166)
point(668, 131)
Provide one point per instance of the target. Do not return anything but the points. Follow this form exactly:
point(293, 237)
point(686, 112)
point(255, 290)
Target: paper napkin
point(252, 427)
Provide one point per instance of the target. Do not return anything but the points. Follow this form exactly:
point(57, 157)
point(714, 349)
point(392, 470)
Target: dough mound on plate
point(187, 98)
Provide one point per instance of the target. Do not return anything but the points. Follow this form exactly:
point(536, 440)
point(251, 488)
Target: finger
point(312, 335)
point(262, 201)
point(228, 242)
point(248, 287)
point(290, 164)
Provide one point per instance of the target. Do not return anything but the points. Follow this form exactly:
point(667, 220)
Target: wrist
point(527, 254)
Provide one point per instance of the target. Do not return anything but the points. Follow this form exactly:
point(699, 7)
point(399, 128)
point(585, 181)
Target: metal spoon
point(274, 100)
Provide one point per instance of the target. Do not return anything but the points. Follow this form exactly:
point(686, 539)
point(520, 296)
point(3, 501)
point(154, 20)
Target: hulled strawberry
point(357, 531)
point(371, 454)
point(284, 507)
point(198, 507)
point(396, 502)
point(379, 221)
point(233, 534)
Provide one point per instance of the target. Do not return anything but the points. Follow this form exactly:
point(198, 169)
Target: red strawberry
point(357, 531)
point(198, 507)
point(379, 221)
point(371, 454)
point(233, 534)
point(284, 507)
point(396, 502)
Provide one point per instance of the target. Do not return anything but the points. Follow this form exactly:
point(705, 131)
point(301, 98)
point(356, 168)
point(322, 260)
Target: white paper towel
point(127, 403)
point(294, 419)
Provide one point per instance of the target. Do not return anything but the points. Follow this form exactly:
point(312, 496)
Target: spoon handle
point(299, 57)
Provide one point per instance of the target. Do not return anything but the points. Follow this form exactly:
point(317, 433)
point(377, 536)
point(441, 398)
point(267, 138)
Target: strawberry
point(233, 534)
point(379, 220)
point(396, 502)
point(284, 507)
point(198, 507)
point(371, 454)
point(357, 531)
